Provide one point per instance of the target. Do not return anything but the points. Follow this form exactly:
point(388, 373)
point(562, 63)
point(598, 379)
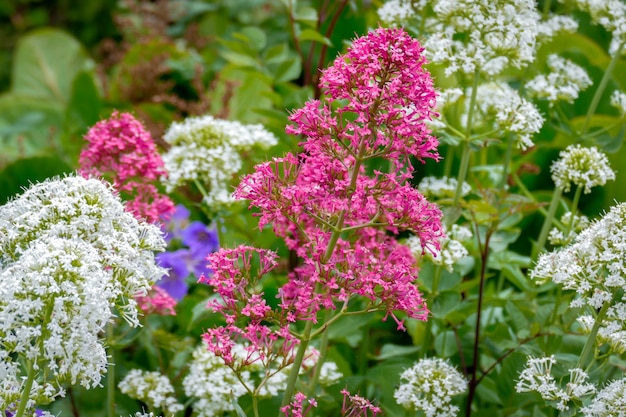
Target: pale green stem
point(321, 358)
point(28, 385)
point(546, 8)
point(297, 362)
point(584, 358)
point(429, 322)
point(111, 374)
point(466, 149)
point(547, 223)
point(573, 210)
point(507, 162)
point(601, 87)
point(255, 405)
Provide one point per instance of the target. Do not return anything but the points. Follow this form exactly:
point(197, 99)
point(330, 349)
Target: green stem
point(255, 405)
point(30, 378)
point(322, 356)
point(466, 149)
point(547, 223)
point(111, 374)
point(297, 362)
point(601, 87)
point(573, 210)
point(546, 8)
point(506, 162)
point(584, 358)
point(429, 322)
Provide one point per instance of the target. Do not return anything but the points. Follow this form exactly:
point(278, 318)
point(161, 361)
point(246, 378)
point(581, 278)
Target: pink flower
point(122, 151)
point(357, 406)
point(157, 301)
point(296, 407)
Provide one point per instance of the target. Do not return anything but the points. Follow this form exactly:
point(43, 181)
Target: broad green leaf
point(445, 344)
point(390, 350)
point(256, 37)
point(276, 53)
point(315, 36)
point(288, 70)
point(444, 303)
point(306, 15)
point(45, 64)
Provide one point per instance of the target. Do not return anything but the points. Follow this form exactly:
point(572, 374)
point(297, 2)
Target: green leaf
point(288, 70)
point(315, 36)
point(444, 303)
point(256, 37)
point(306, 15)
point(240, 60)
point(445, 344)
point(45, 64)
point(276, 54)
point(390, 351)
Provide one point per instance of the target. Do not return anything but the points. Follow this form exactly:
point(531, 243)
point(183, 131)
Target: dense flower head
point(564, 81)
point(581, 166)
point(554, 25)
point(572, 224)
point(537, 376)
point(611, 14)
point(428, 386)
point(451, 247)
point(380, 83)
point(157, 301)
point(609, 402)
point(502, 105)
point(69, 252)
point(151, 388)
point(122, 151)
point(486, 36)
point(208, 150)
point(593, 264)
point(442, 188)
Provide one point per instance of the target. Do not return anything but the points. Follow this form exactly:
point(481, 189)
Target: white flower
point(537, 377)
point(396, 11)
point(441, 188)
point(555, 25)
point(501, 104)
point(208, 150)
point(564, 81)
point(611, 14)
point(69, 252)
point(572, 226)
point(618, 100)
point(495, 35)
point(583, 167)
point(451, 248)
point(593, 265)
point(429, 386)
point(609, 402)
point(213, 386)
point(151, 388)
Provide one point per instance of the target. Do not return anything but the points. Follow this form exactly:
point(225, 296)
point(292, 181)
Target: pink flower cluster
point(157, 301)
point(334, 212)
point(264, 331)
point(122, 151)
point(339, 203)
point(296, 407)
point(357, 406)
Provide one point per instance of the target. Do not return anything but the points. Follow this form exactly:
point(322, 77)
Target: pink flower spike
point(121, 151)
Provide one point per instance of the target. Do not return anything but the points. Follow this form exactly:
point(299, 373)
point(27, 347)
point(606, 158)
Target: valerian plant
point(338, 204)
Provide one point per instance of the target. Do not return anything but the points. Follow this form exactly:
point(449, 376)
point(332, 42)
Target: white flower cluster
point(609, 402)
point(612, 328)
point(428, 386)
point(537, 376)
point(611, 14)
point(554, 25)
point(209, 150)
point(593, 265)
point(564, 81)
point(69, 252)
point(451, 247)
point(572, 225)
point(398, 12)
point(152, 388)
point(618, 100)
point(442, 188)
point(581, 166)
point(498, 102)
point(496, 35)
point(215, 387)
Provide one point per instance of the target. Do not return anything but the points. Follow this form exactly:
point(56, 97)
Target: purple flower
point(197, 235)
point(176, 262)
point(176, 223)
